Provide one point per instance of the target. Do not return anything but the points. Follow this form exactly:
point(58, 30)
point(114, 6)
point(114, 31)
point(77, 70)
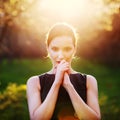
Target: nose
point(60, 55)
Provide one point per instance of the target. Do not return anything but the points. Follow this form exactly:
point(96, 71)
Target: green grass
point(19, 71)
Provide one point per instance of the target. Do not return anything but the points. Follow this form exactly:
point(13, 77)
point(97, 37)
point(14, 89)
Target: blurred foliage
point(10, 11)
point(11, 93)
point(13, 103)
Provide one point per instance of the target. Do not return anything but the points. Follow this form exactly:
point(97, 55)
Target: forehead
point(62, 41)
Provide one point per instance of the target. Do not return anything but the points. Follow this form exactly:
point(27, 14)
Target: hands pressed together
point(62, 73)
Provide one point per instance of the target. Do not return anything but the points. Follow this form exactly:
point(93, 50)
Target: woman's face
point(61, 48)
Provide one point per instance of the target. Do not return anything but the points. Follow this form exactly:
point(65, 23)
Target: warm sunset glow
point(84, 14)
point(76, 12)
point(64, 8)
point(72, 10)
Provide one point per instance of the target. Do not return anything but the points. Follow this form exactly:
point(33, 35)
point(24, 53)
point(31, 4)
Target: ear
point(47, 48)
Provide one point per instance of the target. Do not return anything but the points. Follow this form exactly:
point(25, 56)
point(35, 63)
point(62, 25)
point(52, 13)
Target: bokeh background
point(23, 28)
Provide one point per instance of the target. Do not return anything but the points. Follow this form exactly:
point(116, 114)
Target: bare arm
point(44, 111)
point(89, 111)
point(38, 110)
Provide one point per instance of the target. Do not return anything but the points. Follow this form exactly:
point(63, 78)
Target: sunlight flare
point(71, 10)
point(86, 15)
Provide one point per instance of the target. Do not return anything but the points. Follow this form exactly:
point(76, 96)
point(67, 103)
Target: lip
point(58, 62)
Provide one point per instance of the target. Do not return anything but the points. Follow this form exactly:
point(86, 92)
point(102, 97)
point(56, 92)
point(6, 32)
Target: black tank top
point(63, 105)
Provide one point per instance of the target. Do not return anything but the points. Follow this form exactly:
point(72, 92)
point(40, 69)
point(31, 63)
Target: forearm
point(46, 109)
point(82, 110)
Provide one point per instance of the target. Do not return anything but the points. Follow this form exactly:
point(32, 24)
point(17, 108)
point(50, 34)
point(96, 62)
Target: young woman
point(62, 93)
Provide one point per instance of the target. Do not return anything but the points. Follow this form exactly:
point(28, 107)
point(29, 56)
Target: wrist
point(68, 86)
point(57, 82)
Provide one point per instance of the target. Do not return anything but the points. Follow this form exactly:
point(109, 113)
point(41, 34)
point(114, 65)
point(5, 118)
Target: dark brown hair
point(61, 29)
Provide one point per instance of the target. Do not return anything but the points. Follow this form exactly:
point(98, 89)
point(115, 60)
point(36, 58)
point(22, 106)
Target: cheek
point(69, 55)
point(52, 54)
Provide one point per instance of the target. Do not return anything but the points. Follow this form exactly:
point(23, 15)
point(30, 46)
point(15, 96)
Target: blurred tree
point(101, 42)
point(9, 11)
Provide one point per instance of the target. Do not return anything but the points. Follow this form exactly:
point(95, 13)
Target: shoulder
point(33, 82)
point(91, 81)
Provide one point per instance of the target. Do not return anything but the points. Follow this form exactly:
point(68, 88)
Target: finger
point(66, 65)
point(63, 61)
point(66, 68)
